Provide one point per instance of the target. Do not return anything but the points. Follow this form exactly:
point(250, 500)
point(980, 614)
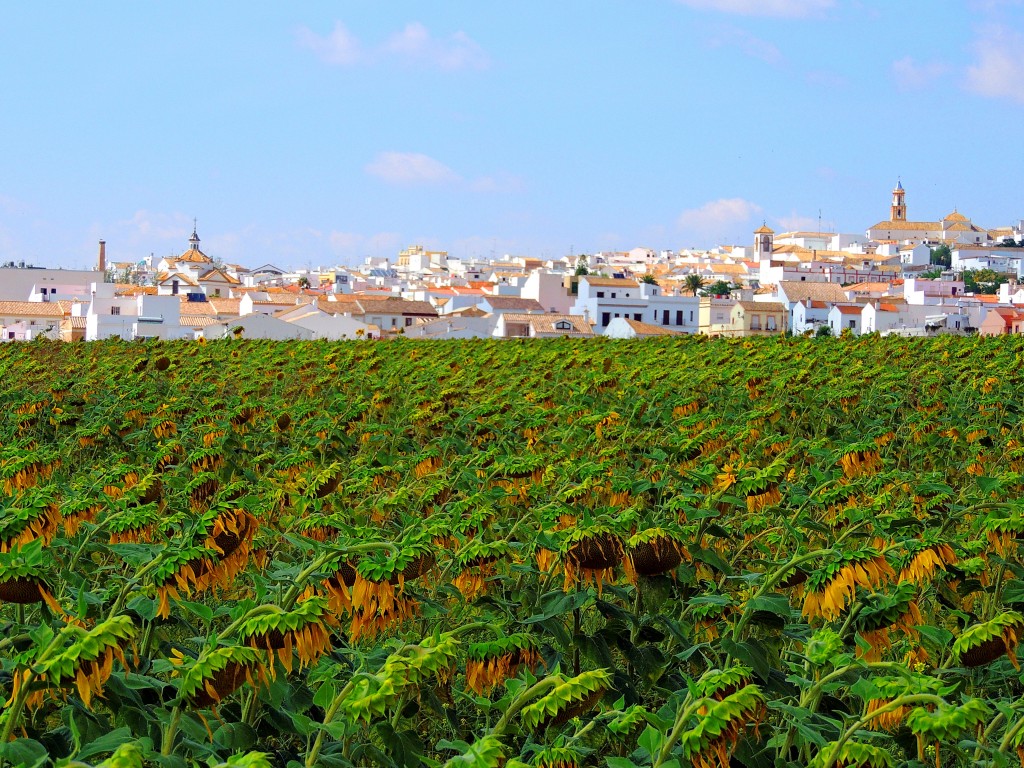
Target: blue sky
point(316, 133)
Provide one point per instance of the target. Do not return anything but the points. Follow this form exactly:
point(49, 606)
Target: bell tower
point(899, 203)
point(764, 243)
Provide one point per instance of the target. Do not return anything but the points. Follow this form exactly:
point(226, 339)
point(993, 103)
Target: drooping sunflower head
point(490, 664)
point(24, 576)
point(477, 563)
point(653, 551)
point(303, 632)
point(589, 555)
point(983, 643)
point(30, 515)
point(832, 587)
point(216, 673)
point(86, 657)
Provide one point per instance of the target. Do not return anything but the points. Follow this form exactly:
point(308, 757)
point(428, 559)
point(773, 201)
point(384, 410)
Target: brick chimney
point(102, 263)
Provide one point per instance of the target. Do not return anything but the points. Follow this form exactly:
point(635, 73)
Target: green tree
point(693, 283)
point(985, 281)
point(824, 330)
point(649, 279)
point(718, 288)
point(942, 256)
point(581, 265)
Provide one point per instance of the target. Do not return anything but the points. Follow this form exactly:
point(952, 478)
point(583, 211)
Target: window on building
point(408, 321)
point(664, 317)
point(606, 317)
point(691, 315)
point(638, 317)
point(771, 323)
point(563, 325)
point(115, 310)
point(174, 287)
point(393, 322)
point(679, 317)
point(755, 322)
point(851, 324)
point(216, 293)
point(600, 294)
point(613, 294)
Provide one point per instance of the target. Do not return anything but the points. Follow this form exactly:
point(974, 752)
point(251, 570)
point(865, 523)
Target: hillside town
point(901, 276)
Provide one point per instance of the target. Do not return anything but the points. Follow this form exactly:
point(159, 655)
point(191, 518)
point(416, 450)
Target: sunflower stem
point(171, 732)
point(521, 701)
point(682, 718)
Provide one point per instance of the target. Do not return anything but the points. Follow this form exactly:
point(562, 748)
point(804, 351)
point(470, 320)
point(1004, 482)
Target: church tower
point(899, 203)
point(764, 243)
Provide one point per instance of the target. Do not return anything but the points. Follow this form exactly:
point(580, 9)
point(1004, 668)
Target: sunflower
point(218, 554)
point(922, 565)
point(303, 631)
point(477, 562)
point(216, 674)
point(31, 516)
point(590, 556)
point(84, 658)
point(983, 643)
point(861, 460)
point(712, 740)
point(652, 552)
point(832, 588)
point(489, 665)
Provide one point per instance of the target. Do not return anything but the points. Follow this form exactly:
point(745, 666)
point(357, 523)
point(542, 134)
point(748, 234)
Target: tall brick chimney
point(102, 263)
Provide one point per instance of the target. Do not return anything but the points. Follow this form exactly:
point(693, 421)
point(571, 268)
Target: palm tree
point(694, 283)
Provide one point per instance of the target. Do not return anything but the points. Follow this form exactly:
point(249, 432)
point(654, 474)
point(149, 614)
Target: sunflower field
point(554, 554)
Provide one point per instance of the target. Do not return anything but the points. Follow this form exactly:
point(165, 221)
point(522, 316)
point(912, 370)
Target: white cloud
point(793, 9)
point(796, 223)
point(410, 168)
point(746, 43)
point(417, 45)
point(911, 75)
point(998, 71)
point(340, 47)
point(414, 44)
point(718, 219)
point(498, 183)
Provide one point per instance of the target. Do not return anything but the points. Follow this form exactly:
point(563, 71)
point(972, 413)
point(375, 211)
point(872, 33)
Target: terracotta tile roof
point(907, 226)
point(546, 323)
point(610, 282)
point(846, 309)
point(127, 289)
point(762, 306)
point(196, 321)
point(797, 290)
point(649, 329)
point(867, 287)
point(195, 256)
point(514, 303)
point(164, 277)
point(33, 308)
point(224, 306)
point(213, 274)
